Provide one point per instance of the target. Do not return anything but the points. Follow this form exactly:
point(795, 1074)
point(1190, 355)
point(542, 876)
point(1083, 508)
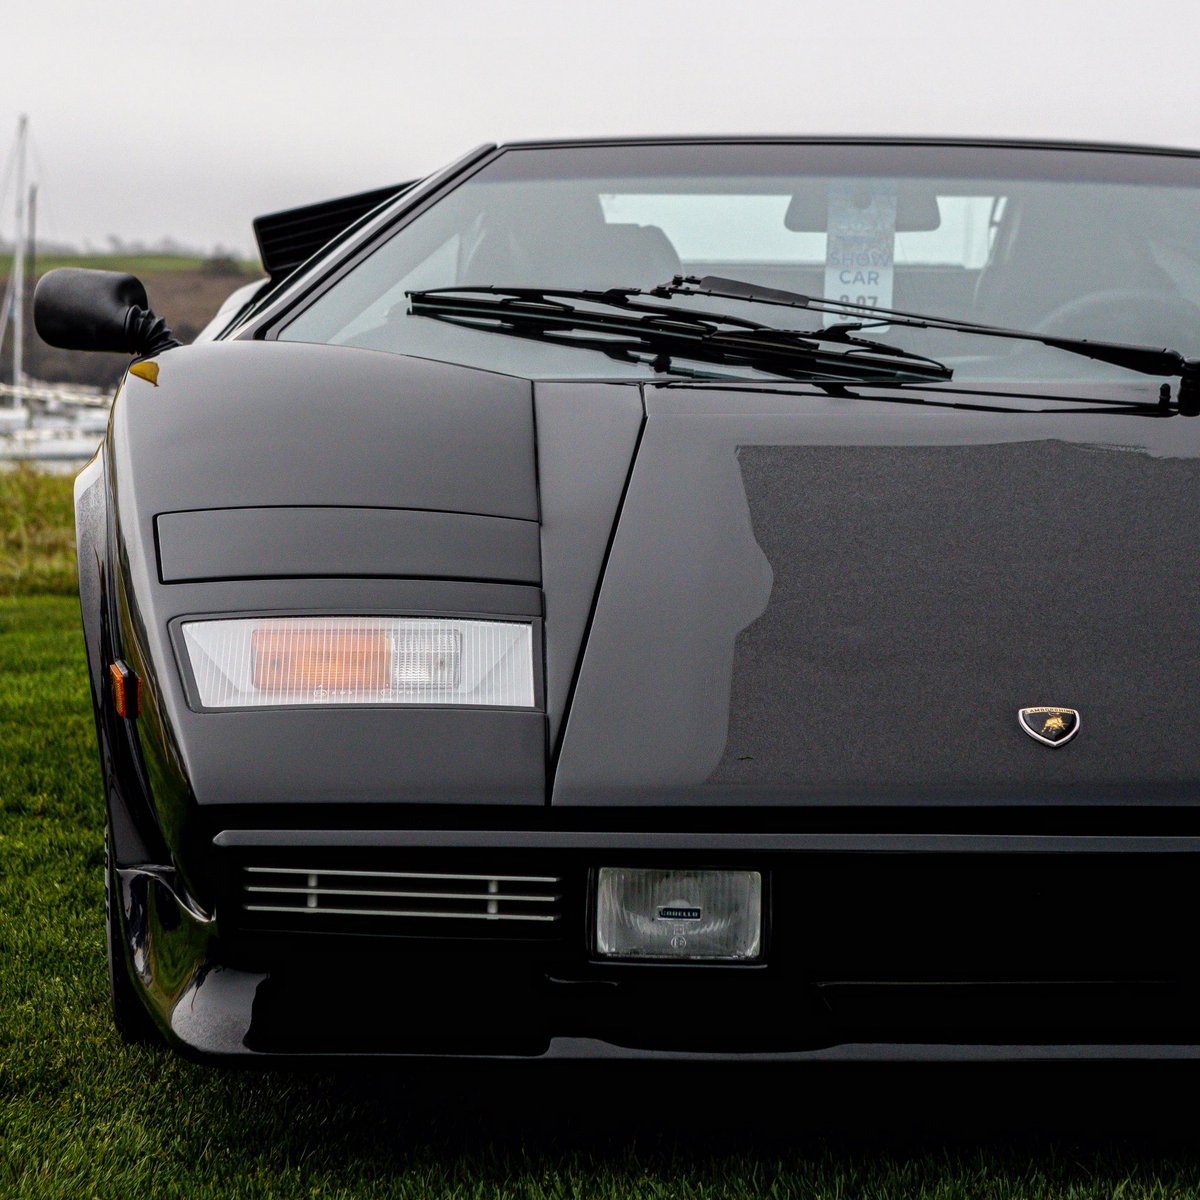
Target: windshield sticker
point(860, 249)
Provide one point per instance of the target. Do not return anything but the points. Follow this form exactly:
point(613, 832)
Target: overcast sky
point(153, 119)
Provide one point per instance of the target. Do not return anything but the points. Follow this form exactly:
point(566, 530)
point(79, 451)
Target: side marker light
point(126, 689)
point(145, 370)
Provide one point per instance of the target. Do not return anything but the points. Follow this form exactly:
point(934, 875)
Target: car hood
point(817, 600)
point(744, 595)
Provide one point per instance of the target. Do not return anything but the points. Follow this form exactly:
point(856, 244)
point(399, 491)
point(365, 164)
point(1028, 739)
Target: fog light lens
point(678, 914)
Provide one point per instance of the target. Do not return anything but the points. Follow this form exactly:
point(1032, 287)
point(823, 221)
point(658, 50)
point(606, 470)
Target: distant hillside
point(186, 291)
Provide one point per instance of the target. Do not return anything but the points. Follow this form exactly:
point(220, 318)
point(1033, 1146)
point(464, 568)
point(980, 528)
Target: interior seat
point(1048, 257)
point(582, 255)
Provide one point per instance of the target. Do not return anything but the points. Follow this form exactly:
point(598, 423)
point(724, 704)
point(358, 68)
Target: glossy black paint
point(689, 554)
point(587, 435)
point(846, 601)
point(260, 543)
point(367, 430)
point(135, 835)
point(449, 459)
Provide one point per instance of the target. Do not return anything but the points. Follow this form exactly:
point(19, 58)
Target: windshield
point(1072, 243)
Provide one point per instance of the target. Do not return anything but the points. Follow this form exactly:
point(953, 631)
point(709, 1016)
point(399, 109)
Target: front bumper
point(910, 947)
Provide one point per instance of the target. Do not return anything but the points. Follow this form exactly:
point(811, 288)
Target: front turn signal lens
point(288, 659)
point(272, 661)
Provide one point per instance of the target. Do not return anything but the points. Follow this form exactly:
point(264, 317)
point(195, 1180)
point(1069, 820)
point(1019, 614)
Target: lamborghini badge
point(1050, 726)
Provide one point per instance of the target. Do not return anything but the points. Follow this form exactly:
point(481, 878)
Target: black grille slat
point(321, 890)
point(422, 914)
point(393, 901)
point(477, 875)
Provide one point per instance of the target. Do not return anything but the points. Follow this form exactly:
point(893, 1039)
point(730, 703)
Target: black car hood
point(744, 596)
point(813, 600)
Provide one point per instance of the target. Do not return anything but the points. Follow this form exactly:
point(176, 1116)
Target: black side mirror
point(77, 309)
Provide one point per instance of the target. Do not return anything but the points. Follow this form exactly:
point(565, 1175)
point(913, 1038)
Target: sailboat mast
point(18, 267)
point(31, 262)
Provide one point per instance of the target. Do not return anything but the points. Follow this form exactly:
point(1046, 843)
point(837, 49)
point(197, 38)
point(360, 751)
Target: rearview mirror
point(78, 309)
point(917, 211)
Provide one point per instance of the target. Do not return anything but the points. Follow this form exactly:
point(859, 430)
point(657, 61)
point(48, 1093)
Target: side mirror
point(77, 309)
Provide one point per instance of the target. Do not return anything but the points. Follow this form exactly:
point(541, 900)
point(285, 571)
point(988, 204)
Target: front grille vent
point(392, 901)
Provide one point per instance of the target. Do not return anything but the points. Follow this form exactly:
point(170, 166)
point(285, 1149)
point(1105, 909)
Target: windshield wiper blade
point(666, 331)
point(1147, 360)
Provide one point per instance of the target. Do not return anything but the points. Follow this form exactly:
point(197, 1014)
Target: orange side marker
point(126, 689)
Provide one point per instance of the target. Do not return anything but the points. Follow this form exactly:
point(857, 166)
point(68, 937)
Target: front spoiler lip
point(213, 1024)
point(207, 1010)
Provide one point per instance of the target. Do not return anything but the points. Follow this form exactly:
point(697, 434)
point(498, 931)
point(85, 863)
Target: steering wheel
point(1125, 315)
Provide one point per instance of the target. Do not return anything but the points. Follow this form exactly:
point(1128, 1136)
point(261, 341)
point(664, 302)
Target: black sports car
point(729, 597)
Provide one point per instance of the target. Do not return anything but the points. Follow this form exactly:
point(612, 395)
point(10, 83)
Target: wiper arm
point(666, 332)
point(1147, 360)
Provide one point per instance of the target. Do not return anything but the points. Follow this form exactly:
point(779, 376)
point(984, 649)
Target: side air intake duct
point(290, 237)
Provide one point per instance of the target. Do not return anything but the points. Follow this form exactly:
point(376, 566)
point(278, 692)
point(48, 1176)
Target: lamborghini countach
point(731, 598)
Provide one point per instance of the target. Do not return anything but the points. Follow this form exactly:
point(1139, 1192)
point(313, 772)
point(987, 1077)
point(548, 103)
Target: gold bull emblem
point(1054, 725)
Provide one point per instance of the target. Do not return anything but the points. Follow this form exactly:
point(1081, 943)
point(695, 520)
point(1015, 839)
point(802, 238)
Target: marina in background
point(54, 404)
point(54, 425)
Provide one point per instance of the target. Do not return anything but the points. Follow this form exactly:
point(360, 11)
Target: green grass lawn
point(135, 264)
point(37, 534)
point(81, 1115)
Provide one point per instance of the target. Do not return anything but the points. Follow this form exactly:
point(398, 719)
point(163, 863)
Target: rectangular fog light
point(684, 915)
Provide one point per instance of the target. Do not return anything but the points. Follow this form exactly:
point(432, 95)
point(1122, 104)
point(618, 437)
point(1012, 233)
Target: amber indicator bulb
point(126, 689)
